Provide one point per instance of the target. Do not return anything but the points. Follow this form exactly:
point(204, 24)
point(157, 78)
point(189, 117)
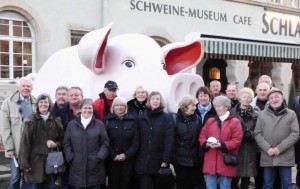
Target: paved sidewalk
point(4, 171)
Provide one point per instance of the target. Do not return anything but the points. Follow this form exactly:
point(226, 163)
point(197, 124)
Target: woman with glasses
point(122, 131)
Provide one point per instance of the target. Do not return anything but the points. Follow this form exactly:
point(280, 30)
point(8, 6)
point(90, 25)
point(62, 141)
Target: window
point(214, 73)
point(76, 35)
point(16, 46)
point(276, 1)
point(295, 3)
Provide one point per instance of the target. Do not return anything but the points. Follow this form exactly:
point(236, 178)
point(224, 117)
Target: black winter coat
point(86, 150)
point(186, 148)
point(156, 133)
point(123, 135)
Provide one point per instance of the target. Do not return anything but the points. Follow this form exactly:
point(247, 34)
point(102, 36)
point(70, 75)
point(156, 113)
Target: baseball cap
point(111, 85)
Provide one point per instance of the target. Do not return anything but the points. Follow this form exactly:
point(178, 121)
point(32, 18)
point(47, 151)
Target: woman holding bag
point(42, 133)
point(220, 134)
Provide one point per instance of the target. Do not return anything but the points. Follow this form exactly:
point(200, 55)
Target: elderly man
point(60, 108)
point(266, 79)
point(231, 93)
point(215, 88)
point(15, 110)
point(260, 101)
point(103, 104)
point(276, 132)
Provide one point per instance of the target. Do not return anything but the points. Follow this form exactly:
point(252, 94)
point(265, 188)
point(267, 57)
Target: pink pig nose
point(182, 84)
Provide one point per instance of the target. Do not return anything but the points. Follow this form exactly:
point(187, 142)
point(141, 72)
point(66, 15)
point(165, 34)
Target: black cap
point(111, 85)
point(275, 90)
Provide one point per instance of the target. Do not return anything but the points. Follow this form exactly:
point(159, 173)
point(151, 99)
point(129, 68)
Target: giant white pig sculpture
point(130, 60)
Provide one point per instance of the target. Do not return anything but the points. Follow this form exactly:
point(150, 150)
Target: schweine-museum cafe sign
point(226, 18)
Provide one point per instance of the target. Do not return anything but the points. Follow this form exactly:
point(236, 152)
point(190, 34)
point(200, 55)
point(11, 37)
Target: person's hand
point(164, 164)
point(27, 170)
point(276, 151)
point(271, 152)
point(51, 144)
point(11, 153)
point(214, 145)
point(122, 157)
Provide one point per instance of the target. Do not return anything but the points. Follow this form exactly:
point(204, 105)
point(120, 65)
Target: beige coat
point(280, 131)
point(11, 122)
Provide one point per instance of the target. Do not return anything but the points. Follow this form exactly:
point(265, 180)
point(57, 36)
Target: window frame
point(12, 16)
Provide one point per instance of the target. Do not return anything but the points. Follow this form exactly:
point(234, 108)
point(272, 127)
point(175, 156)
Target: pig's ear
point(179, 57)
point(91, 49)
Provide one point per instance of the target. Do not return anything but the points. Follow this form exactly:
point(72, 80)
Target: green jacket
point(11, 122)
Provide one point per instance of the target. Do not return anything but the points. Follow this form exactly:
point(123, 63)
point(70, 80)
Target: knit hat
point(275, 90)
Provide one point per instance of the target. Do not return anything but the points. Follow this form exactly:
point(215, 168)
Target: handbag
point(230, 159)
point(165, 178)
point(55, 163)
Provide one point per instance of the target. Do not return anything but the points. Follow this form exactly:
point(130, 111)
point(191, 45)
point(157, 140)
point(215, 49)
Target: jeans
point(45, 185)
point(15, 177)
point(90, 187)
point(212, 181)
point(285, 175)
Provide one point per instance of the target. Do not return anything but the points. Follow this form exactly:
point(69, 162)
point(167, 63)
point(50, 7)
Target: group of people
point(129, 142)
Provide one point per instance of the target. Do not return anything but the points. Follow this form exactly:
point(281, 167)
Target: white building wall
point(53, 19)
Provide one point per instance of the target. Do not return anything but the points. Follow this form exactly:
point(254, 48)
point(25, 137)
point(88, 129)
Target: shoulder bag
point(229, 158)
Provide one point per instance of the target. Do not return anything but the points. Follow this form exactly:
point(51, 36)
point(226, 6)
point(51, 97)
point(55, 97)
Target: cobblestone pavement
point(5, 173)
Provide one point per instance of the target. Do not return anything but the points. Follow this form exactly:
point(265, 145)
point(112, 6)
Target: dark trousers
point(119, 174)
point(259, 182)
point(245, 182)
point(297, 159)
point(147, 181)
point(187, 177)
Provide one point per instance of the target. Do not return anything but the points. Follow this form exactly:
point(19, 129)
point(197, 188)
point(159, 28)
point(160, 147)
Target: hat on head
point(111, 85)
point(275, 90)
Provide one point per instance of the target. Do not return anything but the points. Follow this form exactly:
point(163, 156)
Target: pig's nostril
point(193, 88)
point(179, 89)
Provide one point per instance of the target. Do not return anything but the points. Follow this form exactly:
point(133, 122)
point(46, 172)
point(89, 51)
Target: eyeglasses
point(119, 105)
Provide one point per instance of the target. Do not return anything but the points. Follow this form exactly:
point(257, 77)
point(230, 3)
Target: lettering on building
point(277, 25)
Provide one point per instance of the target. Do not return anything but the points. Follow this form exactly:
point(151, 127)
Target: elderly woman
point(86, 147)
point(123, 133)
point(247, 153)
point(42, 133)
point(186, 148)
point(205, 110)
point(137, 105)
point(156, 132)
point(220, 134)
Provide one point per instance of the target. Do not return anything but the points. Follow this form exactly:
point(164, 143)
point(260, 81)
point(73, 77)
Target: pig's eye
point(129, 64)
point(164, 66)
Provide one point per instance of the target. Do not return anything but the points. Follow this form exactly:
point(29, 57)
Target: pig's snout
point(182, 85)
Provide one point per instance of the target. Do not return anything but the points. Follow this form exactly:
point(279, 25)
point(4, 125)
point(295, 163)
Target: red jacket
point(231, 137)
